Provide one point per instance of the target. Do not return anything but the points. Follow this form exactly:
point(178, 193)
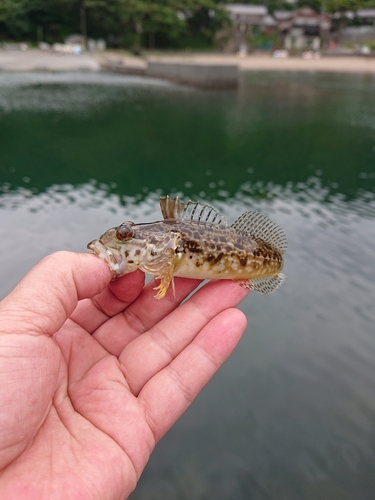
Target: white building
point(245, 18)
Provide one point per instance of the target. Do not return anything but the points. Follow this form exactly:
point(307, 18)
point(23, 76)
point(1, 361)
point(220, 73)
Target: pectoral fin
point(166, 274)
point(166, 278)
point(163, 267)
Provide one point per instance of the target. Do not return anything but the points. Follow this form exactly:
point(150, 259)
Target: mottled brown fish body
point(211, 252)
point(194, 241)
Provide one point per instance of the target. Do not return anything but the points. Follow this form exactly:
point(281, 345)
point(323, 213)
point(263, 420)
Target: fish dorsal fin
point(173, 208)
point(260, 226)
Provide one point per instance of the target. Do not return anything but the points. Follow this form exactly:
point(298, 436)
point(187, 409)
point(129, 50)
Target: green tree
point(131, 23)
point(168, 22)
point(21, 18)
point(344, 5)
point(204, 19)
point(13, 18)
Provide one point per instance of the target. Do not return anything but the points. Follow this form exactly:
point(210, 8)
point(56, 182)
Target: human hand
point(93, 373)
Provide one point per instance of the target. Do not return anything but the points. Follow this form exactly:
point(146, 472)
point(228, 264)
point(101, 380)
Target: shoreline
point(328, 64)
point(265, 62)
point(36, 60)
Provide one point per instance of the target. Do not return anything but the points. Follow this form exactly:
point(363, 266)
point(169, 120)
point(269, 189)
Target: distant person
point(93, 373)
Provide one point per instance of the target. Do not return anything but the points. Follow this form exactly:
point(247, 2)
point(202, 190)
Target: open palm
point(93, 373)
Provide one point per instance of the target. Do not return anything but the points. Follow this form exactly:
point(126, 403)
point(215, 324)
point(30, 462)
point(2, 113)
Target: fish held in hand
point(194, 241)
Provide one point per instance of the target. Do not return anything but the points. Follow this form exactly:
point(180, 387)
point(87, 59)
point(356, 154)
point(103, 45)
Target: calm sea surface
point(291, 415)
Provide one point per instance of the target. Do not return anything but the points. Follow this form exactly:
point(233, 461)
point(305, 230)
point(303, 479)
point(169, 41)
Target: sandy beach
point(265, 62)
point(343, 64)
point(35, 60)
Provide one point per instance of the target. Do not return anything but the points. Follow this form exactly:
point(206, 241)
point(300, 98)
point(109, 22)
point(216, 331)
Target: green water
point(292, 414)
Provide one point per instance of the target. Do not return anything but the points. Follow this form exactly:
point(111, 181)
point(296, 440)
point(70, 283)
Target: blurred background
point(344, 26)
point(291, 415)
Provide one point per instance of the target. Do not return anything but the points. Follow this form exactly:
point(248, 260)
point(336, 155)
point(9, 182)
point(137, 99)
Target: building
point(246, 16)
point(246, 20)
point(303, 28)
point(366, 16)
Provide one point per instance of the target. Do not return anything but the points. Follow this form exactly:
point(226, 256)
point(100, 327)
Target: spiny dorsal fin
point(260, 226)
point(173, 208)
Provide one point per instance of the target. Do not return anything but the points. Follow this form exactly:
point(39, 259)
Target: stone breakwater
point(198, 74)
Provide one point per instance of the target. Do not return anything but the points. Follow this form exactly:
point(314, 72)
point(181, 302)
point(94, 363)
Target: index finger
point(90, 314)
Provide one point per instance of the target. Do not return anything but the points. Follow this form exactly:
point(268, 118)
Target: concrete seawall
point(198, 74)
point(222, 76)
point(129, 66)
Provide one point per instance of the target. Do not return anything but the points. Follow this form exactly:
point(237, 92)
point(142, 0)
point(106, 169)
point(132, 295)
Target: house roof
point(306, 12)
point(366, 13)
point(269, 21)
point(303, 18)
point(249, 10)
point(282, 15)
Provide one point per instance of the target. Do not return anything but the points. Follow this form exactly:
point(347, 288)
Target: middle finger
point(141, 315)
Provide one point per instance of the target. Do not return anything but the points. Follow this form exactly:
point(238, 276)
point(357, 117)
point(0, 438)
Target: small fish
point(194, 241)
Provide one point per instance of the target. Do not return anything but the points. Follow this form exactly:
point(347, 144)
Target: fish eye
point(125, 231)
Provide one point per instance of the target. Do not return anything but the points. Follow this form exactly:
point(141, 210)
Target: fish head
point(120, 249)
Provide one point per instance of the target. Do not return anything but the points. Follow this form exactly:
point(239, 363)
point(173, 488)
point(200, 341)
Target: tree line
point(122, 23)
point(132, 23)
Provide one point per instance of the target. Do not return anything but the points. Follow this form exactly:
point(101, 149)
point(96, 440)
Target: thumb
point(49, 293)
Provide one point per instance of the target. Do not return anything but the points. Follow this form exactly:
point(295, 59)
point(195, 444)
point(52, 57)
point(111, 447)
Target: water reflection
point(294, 406)
point(291, 414)
point(67, 92)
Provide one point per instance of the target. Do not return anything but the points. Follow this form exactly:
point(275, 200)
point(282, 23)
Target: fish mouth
point(112, 258)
